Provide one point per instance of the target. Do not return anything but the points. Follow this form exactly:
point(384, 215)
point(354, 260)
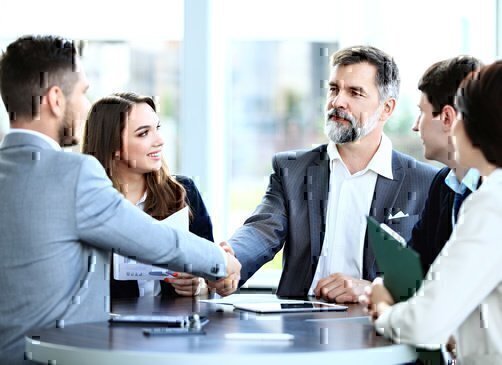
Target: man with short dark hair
point(317, 201)
point(59, 215)
point(453, 183)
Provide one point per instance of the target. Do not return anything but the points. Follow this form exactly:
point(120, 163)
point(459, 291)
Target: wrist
point(382, 307)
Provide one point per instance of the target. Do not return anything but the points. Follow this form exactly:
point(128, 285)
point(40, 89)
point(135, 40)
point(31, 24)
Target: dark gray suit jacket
point(293, 214)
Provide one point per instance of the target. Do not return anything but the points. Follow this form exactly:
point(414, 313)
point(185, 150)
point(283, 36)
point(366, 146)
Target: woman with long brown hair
point(122, 132)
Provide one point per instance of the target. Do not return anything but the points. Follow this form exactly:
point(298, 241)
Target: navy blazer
point(200, 224)
point(292, 215)
point(434, 228)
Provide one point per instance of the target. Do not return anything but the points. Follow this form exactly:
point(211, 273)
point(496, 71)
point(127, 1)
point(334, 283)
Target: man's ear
point(448, 116)
point(55, 101)
point(388, 108)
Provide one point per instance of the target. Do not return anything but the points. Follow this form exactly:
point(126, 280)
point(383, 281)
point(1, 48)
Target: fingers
point(330, 281)
point(331, 291)
point(225, 286)
point(233, 266)
point(183, 275)
point(336, 288)
point(340, 288)
point(377, 281)
point(185, 284)
point(227, 248)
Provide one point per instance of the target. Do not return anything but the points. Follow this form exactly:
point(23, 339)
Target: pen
point(166, 273)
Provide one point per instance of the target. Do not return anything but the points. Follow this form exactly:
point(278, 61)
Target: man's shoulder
point(315, 153)
point(77, 160)
point(79, 165)
point(441, 175)
point(414, 166)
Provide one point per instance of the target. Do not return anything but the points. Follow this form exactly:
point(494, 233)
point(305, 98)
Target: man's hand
point(376, 298)
point(227, 248)
point(187, 285)
point(340, 288)
point(228, 285)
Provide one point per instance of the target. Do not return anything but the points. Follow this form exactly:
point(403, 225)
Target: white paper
point(249, 299)
point(125, 268)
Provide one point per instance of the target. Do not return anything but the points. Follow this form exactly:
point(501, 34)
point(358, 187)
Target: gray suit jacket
point(293, 214)
point(59, 219)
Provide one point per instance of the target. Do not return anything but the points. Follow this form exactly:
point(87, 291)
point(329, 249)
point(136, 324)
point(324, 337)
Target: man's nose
point(338, 101)
point(414, 128)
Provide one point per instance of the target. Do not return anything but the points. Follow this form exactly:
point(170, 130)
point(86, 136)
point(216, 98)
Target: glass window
point(278, 70)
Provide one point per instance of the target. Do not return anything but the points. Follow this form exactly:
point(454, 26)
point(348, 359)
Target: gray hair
point(387, 76)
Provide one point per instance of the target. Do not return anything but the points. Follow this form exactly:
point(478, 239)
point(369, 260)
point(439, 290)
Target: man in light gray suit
point(59, 215)
point(317, 200)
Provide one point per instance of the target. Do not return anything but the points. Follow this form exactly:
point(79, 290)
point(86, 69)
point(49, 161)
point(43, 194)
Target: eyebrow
point(359, 89)
point(142, 127)
point(147, 126)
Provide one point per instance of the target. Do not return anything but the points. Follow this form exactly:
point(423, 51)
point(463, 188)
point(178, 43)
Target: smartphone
point(169, 321)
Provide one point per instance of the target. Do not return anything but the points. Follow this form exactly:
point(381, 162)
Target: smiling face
point(353, 108)
point(141, 141)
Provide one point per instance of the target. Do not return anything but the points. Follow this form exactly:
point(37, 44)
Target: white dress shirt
point(147, 287)
point(470, 181)
point(349, 201)
point(462, 293)
point(152, 287)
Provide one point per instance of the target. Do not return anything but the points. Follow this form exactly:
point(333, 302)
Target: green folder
point(399, 265)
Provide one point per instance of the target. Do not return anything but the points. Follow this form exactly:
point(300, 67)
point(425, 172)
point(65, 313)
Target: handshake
point(229, 284)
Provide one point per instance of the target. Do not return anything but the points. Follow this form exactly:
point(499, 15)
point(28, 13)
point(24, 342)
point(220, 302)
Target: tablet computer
point(277, 307)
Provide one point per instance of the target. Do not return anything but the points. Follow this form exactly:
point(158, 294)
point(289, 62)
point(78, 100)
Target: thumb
point(227, 248)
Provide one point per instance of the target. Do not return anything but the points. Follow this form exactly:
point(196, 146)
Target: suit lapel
point(317, 197)
point(384, 199)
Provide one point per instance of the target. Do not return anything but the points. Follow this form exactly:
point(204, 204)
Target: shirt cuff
point(382, 324)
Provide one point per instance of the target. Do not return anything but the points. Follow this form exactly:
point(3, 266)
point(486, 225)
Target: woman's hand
point(187, 285)
point(377, 298)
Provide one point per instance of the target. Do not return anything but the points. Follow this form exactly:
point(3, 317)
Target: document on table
point(249, 299)
point(125, 268)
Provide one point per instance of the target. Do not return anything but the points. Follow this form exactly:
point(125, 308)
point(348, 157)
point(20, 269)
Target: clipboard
point(400, 265)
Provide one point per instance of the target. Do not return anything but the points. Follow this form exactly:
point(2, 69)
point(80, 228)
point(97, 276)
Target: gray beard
point(342, 133)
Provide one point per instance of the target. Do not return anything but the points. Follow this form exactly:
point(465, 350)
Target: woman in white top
point(462, 293)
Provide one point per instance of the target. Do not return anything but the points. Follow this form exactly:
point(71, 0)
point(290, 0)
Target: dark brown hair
point(441, 80)
point(29, 67)
point(479, 99)
point(103, 137)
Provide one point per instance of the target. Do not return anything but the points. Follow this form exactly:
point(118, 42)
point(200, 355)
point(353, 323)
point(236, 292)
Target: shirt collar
point(470, 181)
point(381, 162)
point(54, 145)
point(141, 202)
